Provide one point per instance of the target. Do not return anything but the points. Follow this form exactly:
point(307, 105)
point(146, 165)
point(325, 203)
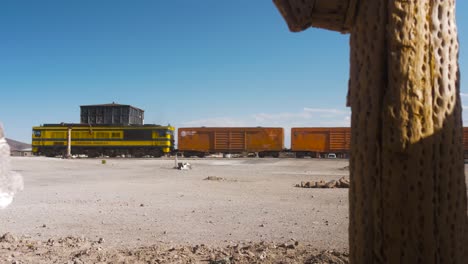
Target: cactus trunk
point(408, 191)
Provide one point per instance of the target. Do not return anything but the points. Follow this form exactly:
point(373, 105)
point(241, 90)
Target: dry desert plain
point(145, 211)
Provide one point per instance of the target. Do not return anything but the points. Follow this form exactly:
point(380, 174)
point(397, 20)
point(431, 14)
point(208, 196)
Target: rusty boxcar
point(199, 141)
point(320, 141)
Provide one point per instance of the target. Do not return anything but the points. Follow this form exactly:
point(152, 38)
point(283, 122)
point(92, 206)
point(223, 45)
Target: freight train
point(118, 130)
point(156, 141)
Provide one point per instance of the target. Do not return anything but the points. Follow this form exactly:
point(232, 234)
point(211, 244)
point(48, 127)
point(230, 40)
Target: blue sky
point(187, 63)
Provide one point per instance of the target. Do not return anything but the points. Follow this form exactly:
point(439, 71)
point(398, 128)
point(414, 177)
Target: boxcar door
point(310, 141)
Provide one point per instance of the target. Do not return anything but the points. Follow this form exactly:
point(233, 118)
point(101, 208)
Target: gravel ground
point(131, 206)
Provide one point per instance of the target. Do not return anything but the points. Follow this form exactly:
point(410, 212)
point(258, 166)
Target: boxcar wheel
point(300, 155)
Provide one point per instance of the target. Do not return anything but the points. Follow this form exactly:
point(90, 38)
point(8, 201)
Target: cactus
point(408, 192)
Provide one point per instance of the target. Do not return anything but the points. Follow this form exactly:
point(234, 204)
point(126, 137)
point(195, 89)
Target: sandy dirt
point(230, 210)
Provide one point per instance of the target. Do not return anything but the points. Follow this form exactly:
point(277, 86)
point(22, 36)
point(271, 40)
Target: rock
point(320, 184)
point(8, 237)
point(329, 257)
point(225, 260)
point(344, 183)
point(213, 178)
point(195, 248)
point(287, 245)
point(78, 261)
point(331, 184)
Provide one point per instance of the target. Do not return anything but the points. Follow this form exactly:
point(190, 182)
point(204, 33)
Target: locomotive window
point(102, 135)
point(37, 133)
point(137, 134)
point(163, 133)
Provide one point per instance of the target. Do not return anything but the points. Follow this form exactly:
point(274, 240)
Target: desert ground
point(145, 211)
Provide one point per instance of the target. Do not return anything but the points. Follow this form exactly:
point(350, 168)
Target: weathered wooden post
point(408, 192)
point(69, 145)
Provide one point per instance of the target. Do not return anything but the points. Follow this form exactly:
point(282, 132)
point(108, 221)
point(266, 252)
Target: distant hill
point(17, 145)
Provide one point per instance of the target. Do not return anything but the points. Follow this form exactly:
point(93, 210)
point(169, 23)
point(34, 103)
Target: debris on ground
point(341, 183)
point(83, 250)
point(181, 165)
point(184, 166)
point(328, 257)
point(213, 178)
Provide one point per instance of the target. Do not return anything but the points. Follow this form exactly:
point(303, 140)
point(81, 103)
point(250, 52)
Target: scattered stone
point(341, 183)
point(8, 237)
point(331, 184)
point(78, 250)
point(329, 257)
point(320, 184)
point(213, 178)
point(344, 183)
point(225, 260)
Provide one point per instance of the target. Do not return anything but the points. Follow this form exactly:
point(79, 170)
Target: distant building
point(111, 114)
point(21, 153)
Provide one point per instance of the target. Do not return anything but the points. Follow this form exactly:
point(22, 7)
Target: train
point(119, 130)
point(156, 141)
point(109, 140)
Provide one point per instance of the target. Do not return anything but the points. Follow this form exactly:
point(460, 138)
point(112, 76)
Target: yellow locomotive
point(104, 139)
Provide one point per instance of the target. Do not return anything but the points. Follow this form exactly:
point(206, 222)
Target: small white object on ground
point(184, 166)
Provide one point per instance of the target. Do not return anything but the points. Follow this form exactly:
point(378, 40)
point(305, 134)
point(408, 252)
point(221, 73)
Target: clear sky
point(187, 63)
